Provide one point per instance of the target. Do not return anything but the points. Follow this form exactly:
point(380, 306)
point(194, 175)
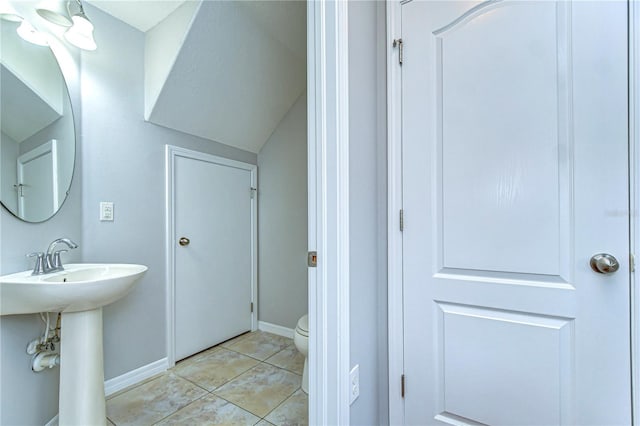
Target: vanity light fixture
point(81, 33)
point(8, 13)
point(70, 14)
point(55, 11)
point(25, 30)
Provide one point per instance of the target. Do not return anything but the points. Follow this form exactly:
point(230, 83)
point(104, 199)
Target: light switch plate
point(106, 211)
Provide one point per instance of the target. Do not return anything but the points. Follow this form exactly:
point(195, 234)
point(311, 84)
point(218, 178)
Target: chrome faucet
point(50, 261)
point(53, 263)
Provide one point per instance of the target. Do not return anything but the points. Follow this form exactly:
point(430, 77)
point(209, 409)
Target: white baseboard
point(133, 377)
point(275, 329)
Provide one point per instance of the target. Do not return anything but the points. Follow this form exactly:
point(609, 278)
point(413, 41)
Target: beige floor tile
point(263, 422)
point(260, 345)
point(214, 368)
point(289, 358)
point(110, 423)
point(293, 412)
point(260, 389)
point(211, 410)
point(152, 401)
point(128, 388)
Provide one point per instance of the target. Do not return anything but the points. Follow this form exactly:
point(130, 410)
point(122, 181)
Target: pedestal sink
point(79, 292)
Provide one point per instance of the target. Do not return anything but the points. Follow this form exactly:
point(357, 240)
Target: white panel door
point(38, 182)
point(213, 271)
point(514, 126)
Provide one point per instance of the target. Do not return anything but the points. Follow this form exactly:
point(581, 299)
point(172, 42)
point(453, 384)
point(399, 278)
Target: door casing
point(328, 197)
point(328, 201)
point(394, 202)
point(634, 188)
point(171, 152)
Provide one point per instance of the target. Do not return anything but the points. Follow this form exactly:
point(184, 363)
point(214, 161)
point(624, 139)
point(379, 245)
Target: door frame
point(394, 206)
point(394, 182)
point(328, 201)
point(634, 188)
point(171, 153)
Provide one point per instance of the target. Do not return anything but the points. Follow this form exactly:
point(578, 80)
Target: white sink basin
point(79, 292)
point(80, 287)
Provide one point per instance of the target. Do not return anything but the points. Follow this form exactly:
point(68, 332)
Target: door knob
point(184, 241)
point(604, 263)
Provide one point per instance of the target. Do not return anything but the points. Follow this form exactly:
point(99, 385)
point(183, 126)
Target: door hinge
point(20, 188)
point(253, 192)
point(402, 385)
point(398, 43)
point(401, 220)
point(251, 307)
point(632, 262)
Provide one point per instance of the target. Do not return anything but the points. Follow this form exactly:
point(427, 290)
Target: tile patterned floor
point(253, 379)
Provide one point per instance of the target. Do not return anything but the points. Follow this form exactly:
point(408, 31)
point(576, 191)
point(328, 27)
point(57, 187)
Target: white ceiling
point(140, 14)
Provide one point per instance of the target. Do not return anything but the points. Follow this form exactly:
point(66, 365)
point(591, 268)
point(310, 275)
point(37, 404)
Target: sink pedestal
point(79, 292)
point(82, 400)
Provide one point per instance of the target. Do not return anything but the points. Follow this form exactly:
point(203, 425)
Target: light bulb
point(30, 34)
point(55, 11)
point(8, 13)
point(81, 33)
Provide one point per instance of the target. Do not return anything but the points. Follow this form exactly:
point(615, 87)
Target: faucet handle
point(57, 263)
point(39, 267)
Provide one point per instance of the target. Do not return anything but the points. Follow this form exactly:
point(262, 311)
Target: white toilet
point(301, 340)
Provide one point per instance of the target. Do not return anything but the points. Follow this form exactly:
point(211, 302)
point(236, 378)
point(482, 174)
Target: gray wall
point(27, 398)
point(367, 209)
point(123, 159)
point(282, 220)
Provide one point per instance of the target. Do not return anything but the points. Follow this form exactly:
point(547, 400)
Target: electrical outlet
point(106, 211)
point(354, 383)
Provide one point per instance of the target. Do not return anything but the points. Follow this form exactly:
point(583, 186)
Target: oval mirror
point(37, 139)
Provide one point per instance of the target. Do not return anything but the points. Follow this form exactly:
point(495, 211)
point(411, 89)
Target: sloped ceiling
point(24, 112)
point(240, 69)
point(140, 14)
point(32, 86)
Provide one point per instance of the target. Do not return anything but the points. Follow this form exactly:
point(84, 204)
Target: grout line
point(171, 414)
point(193, 383)
point(217, 387)
point(229, 381)
point(253, 357)
point(134, 386)
point(242, 408)
point(279, 405)
point(213, 349)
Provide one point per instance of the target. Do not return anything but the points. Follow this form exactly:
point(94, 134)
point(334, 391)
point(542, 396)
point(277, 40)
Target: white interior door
point(514, 127)
point(38, 182)
point(214, 252)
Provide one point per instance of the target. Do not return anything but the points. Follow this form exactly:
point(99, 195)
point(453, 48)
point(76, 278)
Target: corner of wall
point(162, 46)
